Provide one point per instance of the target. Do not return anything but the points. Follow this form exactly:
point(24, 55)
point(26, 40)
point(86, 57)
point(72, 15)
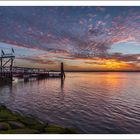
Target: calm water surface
point(90, 102)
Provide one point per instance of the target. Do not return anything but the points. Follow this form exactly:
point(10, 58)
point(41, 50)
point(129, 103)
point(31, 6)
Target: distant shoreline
point(96, 71)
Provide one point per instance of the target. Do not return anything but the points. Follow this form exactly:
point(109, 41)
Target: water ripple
point(90, 102)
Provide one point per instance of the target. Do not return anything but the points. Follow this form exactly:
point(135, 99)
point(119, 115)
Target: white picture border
point(69, 3)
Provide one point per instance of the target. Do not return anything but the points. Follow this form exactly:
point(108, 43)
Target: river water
point(94, 102)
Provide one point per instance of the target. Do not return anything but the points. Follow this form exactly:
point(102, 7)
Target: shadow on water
point(6, 93)
point(9, 85)
point(62, 83)
point(62, 94)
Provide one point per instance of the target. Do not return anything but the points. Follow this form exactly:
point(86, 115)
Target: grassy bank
point(14, 123)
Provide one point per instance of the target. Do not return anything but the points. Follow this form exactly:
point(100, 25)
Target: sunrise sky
point(84, 38)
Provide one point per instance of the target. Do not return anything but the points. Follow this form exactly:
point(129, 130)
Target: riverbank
point(15, 123)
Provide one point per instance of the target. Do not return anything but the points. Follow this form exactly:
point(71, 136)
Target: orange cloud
point(110, 64)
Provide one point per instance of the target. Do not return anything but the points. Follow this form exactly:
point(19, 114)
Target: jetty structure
point(6, 66)
point(8, 71)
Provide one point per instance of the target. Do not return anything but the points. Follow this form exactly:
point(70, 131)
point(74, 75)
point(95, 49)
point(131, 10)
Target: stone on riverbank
point(20, 131)
point(6, 115)
point(51, 129)
point(4, 126)
point(16, 124)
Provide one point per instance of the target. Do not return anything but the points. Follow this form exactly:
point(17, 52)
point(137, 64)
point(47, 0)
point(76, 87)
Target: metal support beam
point(6, 65)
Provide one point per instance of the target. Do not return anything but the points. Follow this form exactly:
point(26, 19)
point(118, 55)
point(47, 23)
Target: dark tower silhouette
point(62, 70)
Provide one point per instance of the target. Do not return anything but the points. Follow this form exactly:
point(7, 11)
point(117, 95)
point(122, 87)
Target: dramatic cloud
point(72, 33)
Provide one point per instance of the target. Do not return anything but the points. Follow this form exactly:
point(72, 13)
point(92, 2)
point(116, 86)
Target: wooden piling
point(62, 70)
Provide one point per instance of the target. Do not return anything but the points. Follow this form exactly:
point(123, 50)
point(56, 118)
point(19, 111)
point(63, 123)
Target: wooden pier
point(8, 71)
